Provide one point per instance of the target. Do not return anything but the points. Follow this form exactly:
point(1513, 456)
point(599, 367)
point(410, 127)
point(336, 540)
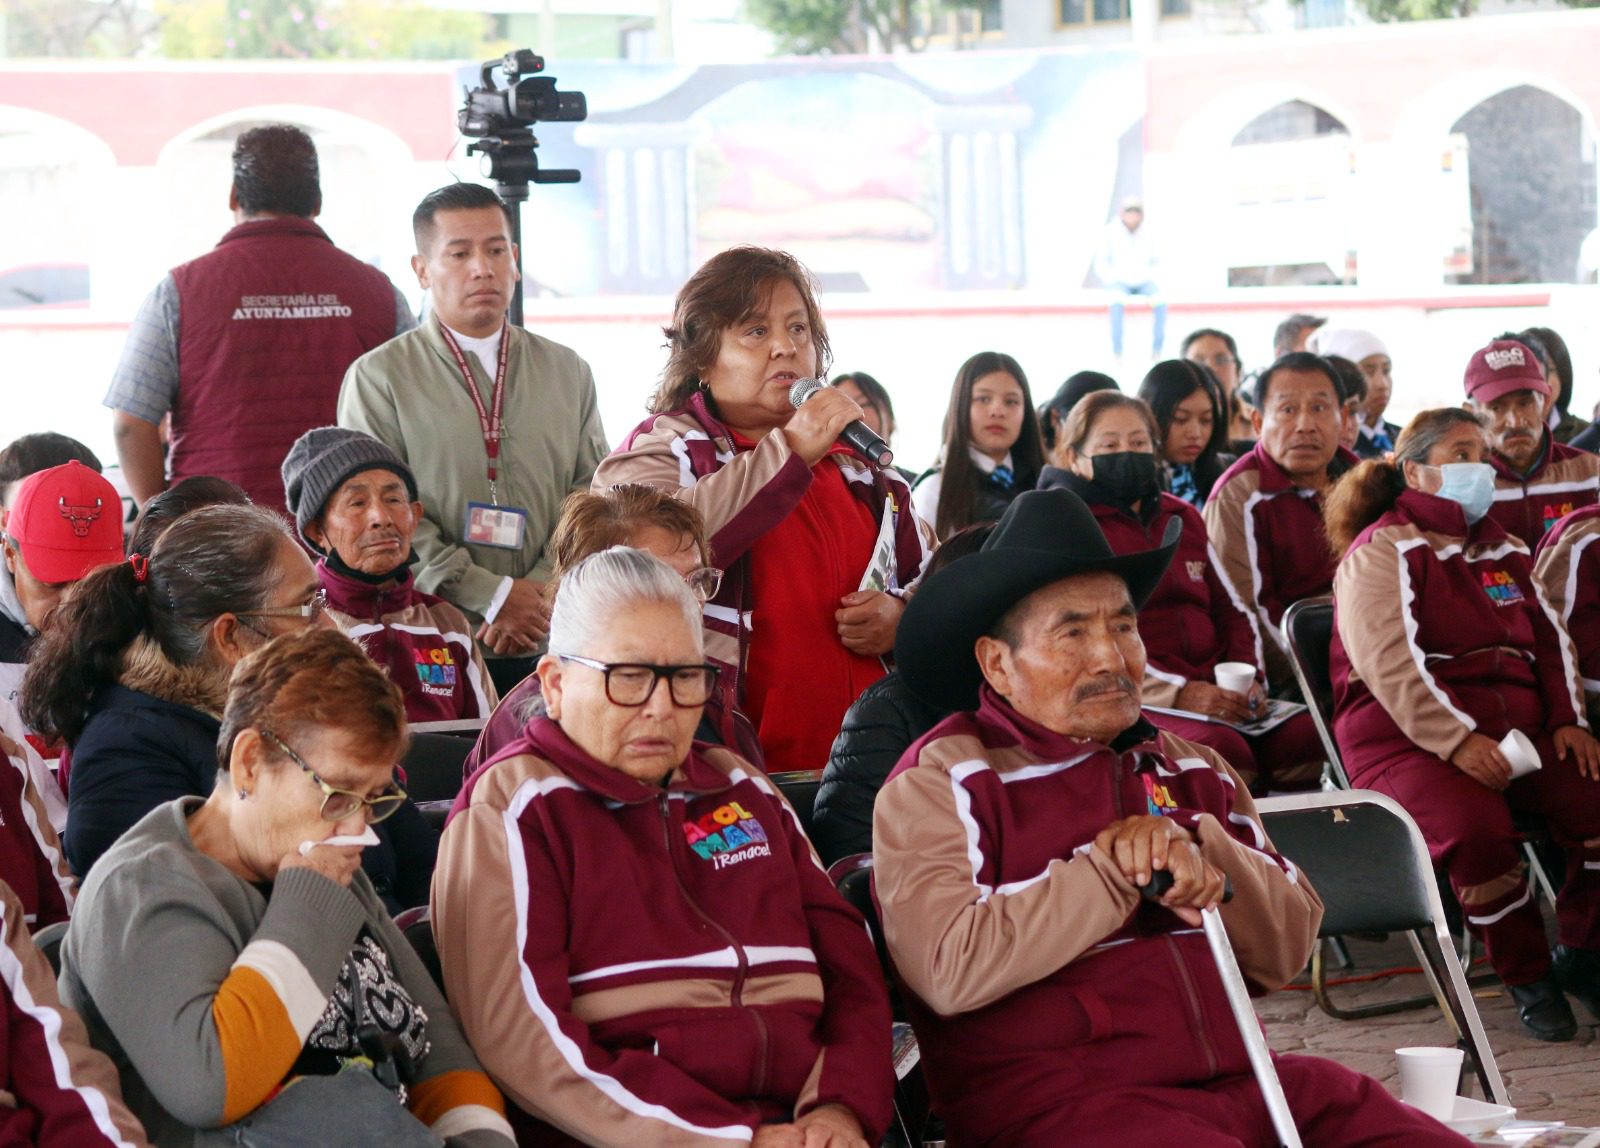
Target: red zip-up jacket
point(637, 964)
point(1563, 479)
point(1195, 618)
point(1567, 564)
point(1441, 631)
point(1035, 973)
point(1269, 536)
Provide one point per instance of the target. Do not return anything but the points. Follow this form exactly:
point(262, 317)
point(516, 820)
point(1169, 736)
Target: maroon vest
point(268, 322)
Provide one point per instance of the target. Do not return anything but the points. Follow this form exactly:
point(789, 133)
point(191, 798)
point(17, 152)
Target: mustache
point(1116, 684)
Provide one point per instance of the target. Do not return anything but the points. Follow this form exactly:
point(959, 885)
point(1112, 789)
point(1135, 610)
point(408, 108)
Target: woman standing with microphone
point(817, 542)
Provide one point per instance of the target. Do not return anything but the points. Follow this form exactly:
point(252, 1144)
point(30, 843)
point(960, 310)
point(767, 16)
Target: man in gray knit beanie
point(354, 501)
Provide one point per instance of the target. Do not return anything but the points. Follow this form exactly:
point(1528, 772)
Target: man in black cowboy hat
point(1052, 1005)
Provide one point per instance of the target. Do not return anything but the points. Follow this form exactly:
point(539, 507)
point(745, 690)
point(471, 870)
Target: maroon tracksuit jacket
point(661, 965)
point(1051, 1005)
point(1269, 536)
point(1563, 479)
point(1443, 631)
point(1568, 567)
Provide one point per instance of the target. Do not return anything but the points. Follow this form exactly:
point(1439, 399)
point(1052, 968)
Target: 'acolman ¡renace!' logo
point(727, 835)
point(1501, 587)
point(436, 670)
point(1555, 512)
point(1157, 797)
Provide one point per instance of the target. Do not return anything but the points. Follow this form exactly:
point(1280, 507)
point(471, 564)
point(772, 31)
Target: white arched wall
point(1191, 181)
point(79, 230)
point(1423, 126)
point(370, 184)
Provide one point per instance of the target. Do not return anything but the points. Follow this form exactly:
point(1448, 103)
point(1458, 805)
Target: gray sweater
point(165, 941)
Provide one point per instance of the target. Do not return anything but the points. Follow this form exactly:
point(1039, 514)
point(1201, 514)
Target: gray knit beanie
point(322, 459)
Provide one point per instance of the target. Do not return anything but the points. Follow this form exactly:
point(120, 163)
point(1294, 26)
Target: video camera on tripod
point(499, 120)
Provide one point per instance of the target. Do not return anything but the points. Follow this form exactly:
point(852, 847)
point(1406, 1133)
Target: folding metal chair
point(1366, 857)
point(1308, 627)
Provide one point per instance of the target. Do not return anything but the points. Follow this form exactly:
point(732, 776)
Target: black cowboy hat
point(1043, 537)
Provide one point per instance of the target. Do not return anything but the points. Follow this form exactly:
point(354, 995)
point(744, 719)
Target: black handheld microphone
point(858, 434)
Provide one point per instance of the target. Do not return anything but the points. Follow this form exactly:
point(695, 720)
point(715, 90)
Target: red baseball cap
point(1502, 367)
point(66, 521)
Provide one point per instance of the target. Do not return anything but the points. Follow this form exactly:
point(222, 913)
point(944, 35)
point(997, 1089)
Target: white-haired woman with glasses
point(629, 514)
point(133, 673)
point(236, 964)
point(635, 934)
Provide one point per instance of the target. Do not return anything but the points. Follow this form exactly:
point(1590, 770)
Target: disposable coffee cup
point(1428, 1079)
point(1519, 751)
point(1236, 676)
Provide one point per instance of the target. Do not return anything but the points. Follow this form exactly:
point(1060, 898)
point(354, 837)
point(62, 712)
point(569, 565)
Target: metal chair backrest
point(799, 787)
point(433, 766)
point(1363, 854)
point(1308, 627)
point(48, 941)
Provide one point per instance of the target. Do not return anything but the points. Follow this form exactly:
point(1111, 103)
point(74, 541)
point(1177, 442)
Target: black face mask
point(1129, 476)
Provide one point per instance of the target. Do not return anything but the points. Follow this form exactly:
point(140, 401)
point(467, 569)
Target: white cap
point(1346, 342)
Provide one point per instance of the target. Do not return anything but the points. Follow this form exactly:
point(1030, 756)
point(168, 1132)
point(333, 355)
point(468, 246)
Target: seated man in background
point(61, 524)
point(1264, 515)
point(1052, 1006)
point(355, 503)
point(1537, 479)
point(23, 457)
point(56, 1090)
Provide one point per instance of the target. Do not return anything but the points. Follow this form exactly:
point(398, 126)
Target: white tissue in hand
point(368, 837)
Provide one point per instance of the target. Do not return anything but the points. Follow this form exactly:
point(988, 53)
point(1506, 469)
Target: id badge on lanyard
point(490, 523)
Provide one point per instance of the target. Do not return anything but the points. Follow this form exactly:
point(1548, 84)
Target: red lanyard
point(489, 420)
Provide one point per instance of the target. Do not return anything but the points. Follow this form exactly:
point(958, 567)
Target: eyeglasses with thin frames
point(311, 609)
point(633, 683)
point(704, 582)
point(337, 804)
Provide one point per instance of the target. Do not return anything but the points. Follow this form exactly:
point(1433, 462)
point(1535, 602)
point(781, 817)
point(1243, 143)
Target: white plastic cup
point(1519, 751)
point(1239, 677)
point(1428, 1079)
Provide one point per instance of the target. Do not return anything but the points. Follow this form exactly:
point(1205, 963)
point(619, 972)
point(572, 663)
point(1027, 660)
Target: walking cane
point(1244, 1013)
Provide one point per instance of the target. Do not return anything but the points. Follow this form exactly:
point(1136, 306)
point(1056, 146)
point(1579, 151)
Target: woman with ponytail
point(133, 673)
point(1443, 646)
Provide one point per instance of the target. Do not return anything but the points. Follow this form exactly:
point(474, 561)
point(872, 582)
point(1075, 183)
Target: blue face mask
point(1471, 485)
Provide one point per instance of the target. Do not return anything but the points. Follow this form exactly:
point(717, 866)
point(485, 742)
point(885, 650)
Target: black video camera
point(499, 118)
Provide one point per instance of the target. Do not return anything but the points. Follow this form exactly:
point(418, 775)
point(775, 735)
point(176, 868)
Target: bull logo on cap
point(81, 517)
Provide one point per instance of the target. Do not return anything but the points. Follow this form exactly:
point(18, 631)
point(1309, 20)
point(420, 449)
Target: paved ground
point(1546, 1081)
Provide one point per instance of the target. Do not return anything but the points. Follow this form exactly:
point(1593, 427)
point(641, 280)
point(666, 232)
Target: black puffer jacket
point(878, 729)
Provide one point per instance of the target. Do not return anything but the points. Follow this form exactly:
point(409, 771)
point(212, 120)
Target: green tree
point(34, 28)
point(1390, 11)
point(814, 27)
point(319, 29)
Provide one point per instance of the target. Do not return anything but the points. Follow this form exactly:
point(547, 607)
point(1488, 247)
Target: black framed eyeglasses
point(633, 683)
point(337, 804)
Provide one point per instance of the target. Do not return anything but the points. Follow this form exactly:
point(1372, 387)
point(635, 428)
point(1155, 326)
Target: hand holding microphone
point(825, 415)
